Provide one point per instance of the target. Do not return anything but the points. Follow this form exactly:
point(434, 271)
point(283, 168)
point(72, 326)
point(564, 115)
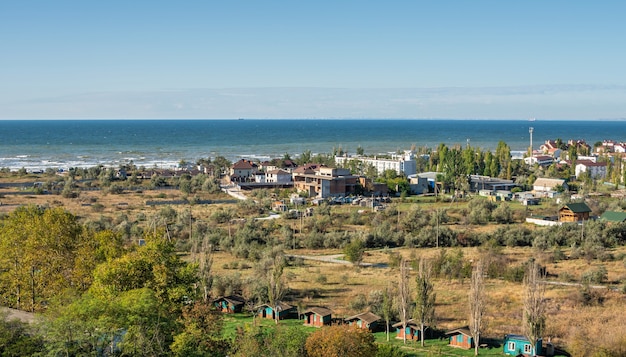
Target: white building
point(595, 169)
point(278, 176)
point(400, 163)
point(541, 160)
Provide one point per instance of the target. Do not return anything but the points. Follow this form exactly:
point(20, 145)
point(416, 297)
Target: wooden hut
point(317, 316)
point(284, 311)
point(516, 345)
point(574, 212)
point(229, 304)
point(460, 337)
point(412, 331)
point(365, 320)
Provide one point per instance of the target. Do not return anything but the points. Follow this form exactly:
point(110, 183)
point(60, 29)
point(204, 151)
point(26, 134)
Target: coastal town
point(320, 211)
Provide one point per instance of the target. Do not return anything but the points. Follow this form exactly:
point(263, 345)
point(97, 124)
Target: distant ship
point(532, 119)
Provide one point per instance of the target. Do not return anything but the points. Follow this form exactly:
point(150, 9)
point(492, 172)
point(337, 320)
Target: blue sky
point(312, 59)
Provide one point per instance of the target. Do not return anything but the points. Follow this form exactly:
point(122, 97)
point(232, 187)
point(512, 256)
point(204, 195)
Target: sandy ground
point(13, 314)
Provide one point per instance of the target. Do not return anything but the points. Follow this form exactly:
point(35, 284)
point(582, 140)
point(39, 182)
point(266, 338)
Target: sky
point(210, 59)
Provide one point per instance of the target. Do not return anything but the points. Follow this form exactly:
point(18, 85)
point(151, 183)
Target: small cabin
point(518, 345)
point(284, 311)
point(461, 338)
point(365, 320)
point(317, 316)
point(412, 330)
point(230, 304)
point(574, 212)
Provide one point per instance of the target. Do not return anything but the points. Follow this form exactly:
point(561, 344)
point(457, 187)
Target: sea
point(60, 144)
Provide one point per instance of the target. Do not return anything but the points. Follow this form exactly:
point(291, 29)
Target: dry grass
point(568, 322)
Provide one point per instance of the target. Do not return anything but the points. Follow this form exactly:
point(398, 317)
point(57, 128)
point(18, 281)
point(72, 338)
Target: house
point(403, 164)
point(518, 345)
point(364, 320)
point(544, 185)
point(412, 331)
point(321, 181)
point(460, 337)
point(549, 145)
point(260, 177)
point(596, 170)
point(278, 176)
point(242, 170)
point(613, 217)
point(279, 206)
point(485, 183)
point(541, 160)
point(284, 311)
point(574, 212)
point(230, 304)
point(317, 316)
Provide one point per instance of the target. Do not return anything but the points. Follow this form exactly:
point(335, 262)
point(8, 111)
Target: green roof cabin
point(574, 212)
point(613, 217)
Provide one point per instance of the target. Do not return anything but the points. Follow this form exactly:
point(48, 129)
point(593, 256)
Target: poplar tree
point(534, 305)
point(477, 304)
point(425, 298)
point(404, 296)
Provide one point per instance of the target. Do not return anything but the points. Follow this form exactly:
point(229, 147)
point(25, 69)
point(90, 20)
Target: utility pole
point(530, 131)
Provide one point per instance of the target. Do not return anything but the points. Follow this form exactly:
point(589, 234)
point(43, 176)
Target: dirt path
point(13, 314)
point(333, 258)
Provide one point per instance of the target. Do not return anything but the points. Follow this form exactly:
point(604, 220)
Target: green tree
point(425, 298)
point(354, 251)
point(276, 285)
point(42, 253)
point(202, 334)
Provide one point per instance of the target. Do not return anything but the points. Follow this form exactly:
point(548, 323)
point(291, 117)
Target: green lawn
point(433, 347)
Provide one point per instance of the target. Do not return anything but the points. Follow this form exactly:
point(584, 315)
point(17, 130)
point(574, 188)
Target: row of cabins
point(321, 316)
point(313, 316)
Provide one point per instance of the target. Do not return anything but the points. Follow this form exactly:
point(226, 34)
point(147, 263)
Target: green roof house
point(612, 216)
point(574, 212)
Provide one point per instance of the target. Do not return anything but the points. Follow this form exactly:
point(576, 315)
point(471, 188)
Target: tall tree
point(477, 304)
point(425, 297)
point(387, 309)
point(276, 284)
point(404, 296)
point(534, 304)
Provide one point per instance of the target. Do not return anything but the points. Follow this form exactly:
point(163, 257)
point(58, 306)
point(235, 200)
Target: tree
point(404, 296)
point(534, 304)
point(387, 309)
point(340, 341)
point(477, 304)
point(44, 252)
point(354, 251)
point(202, 334)
point(425, 298)
point(276, 284)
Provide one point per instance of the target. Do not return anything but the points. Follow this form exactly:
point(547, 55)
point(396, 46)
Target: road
point(333, 258)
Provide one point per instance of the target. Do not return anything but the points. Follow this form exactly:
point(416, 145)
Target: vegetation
point(131, 265)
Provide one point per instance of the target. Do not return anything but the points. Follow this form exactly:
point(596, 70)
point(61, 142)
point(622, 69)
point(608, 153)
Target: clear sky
point(551, 59)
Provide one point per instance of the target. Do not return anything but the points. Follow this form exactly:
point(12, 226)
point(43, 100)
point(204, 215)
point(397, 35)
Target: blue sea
point(40, 144)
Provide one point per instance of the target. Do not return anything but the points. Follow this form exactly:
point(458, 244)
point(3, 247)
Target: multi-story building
point(324, 181)
point(402, 164)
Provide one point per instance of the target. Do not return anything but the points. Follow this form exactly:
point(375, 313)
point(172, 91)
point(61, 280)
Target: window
point(511, 346)
point(527, 348)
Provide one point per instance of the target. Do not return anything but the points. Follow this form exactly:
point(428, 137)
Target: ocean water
point(40, 144)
